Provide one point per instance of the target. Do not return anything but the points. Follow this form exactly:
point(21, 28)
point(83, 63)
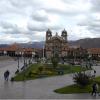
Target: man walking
point(94, 73)
point(6, 75)
point(94, 89)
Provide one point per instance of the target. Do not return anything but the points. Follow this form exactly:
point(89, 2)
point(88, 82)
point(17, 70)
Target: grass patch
point(97, 80)
point(78, 89)
point(24, 74)
point(74, 89)
point(34, 71)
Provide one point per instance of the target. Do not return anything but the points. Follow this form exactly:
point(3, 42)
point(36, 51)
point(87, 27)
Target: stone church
point(56, 45)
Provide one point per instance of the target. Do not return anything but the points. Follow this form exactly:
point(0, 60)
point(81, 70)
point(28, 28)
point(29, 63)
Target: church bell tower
point(48, 34)
point(64, 35)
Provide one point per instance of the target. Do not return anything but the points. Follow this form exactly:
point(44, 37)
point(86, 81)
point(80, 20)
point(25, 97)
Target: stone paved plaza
point(38, 88)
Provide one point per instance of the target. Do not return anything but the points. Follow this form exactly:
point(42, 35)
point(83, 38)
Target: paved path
point(39, 88)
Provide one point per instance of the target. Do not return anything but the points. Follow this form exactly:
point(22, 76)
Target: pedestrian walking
point(6, 75)
point(94, 73)
point(94, 89)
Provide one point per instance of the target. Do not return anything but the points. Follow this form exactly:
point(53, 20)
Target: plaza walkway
point(39, 88)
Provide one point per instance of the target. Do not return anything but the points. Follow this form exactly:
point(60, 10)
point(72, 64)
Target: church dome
point(64, 31)
point(49, 31)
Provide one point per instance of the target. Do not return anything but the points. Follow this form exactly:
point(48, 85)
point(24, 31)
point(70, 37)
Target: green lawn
point(77, 89)
point(74, 89)
point(24, 74)
point(47, 71)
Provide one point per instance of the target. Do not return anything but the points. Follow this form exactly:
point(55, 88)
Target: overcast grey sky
point(28, 20)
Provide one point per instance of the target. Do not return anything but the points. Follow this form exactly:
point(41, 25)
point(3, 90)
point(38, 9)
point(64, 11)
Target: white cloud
point(28, 20)
point(10, 38)
point(40, 15)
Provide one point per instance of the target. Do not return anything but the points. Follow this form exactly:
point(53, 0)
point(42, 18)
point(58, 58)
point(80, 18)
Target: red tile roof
point(16, 47)
point(94, 50)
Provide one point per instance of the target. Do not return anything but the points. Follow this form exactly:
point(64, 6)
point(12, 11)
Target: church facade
point(56, 45)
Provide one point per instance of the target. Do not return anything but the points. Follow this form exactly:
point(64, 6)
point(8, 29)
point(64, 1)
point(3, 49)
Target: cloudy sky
point(28, 20)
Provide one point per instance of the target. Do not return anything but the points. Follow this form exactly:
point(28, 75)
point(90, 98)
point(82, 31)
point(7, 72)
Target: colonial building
point(94, 53)
point(56, 45)
point(16, 50)
point(77, 53)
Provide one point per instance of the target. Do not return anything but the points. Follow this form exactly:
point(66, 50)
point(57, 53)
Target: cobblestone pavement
point(38, 88)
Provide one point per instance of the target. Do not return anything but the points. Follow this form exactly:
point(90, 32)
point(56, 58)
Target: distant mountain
point(85, 43)
point(33, 44)
point(38, 44)
point(3, 45)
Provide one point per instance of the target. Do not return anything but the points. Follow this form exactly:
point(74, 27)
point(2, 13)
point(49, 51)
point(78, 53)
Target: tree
point(81, 78)
point(55, 61)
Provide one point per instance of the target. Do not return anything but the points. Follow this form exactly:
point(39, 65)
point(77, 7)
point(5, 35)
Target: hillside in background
point(85, 43)
point(3, 45)
point(33, 45)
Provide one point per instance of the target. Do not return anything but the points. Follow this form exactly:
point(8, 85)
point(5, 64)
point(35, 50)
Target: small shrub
point(54, 61)
point(30, 74)
point(17, 71)
point(40, 69)
point(12, 79)
point(82, 78)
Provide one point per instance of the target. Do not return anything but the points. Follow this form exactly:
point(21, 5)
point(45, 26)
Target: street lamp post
point(74, 56)
point(18, 58)
point(43, 55)
point(24, 58)
point(33, 56)
point(18, 63)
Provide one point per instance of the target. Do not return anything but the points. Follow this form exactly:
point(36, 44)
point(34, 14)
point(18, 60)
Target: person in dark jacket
point(6, 75)
point(94, 89)
point(94, 73)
